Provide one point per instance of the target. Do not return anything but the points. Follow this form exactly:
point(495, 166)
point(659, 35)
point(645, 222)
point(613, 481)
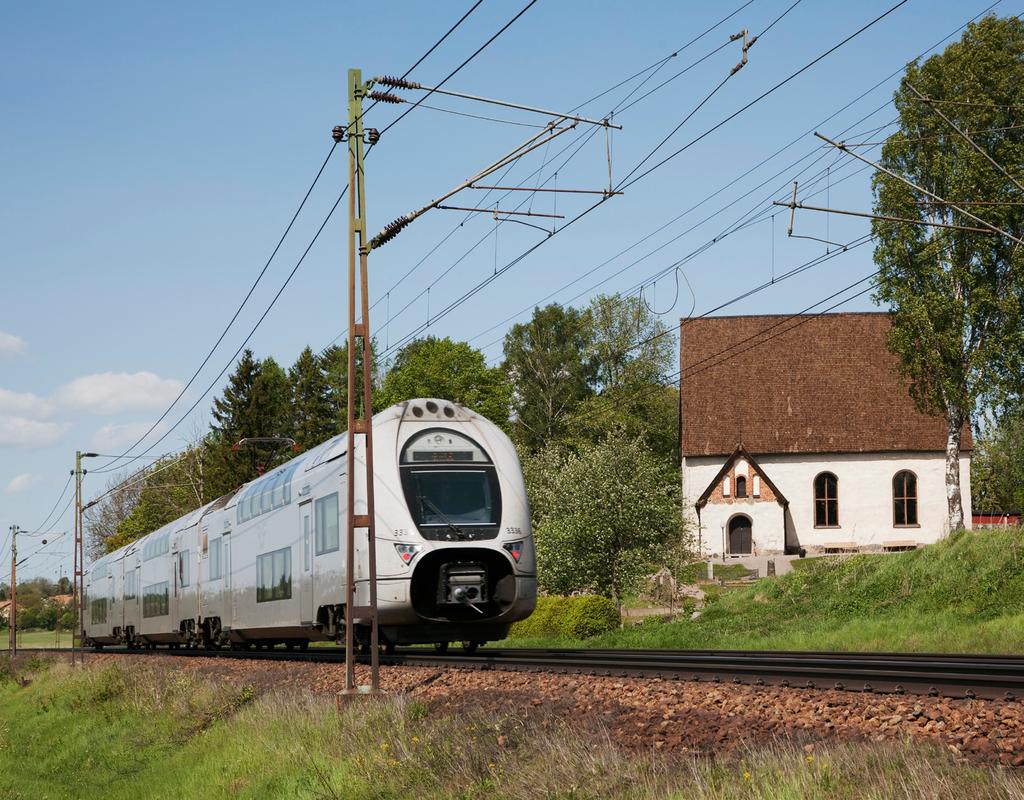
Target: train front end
point(456, 560)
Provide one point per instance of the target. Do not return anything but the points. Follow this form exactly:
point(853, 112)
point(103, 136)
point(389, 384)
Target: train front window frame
point(443, 508)
point(440, 496)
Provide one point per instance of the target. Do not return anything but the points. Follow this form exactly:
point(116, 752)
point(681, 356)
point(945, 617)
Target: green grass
point(31, 639)
point(964, 594)
point(146, 732)
point(692, 573)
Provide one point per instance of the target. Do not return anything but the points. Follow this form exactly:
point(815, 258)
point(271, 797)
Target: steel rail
point(937, 674)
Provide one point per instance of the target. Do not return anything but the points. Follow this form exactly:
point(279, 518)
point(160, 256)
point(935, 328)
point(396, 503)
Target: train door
point(136, 609)
point(112, 622)
point(227, 597)
point(185, 567)
point(172, 565)
point(306, 582)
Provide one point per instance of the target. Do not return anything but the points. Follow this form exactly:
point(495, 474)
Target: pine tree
point(335, 364)
point(313, 413)
point(231, 412)
point(256, 403)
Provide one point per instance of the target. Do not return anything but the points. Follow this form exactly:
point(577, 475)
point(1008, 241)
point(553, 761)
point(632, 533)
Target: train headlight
point(407, 552)
point(515, 549)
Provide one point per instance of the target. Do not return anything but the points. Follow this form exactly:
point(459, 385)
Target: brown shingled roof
point(807, 384)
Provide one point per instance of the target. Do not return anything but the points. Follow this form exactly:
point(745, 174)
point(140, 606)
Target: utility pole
point(78, 591)
point(12, 617)
point(60, 578)
point(360, 420)
point(76, 575)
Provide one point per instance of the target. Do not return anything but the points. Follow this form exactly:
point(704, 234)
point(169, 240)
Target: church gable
point(741, 480)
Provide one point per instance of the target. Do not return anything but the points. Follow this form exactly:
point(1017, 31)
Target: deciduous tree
point(449, 370)
point(956, 296)
point(547, 362)
point(603, 515)
point(997, 465)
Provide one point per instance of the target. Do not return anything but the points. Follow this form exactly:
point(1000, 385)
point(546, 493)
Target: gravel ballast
point(666, 715)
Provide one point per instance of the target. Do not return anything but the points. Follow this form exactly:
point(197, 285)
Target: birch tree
point(956, 295)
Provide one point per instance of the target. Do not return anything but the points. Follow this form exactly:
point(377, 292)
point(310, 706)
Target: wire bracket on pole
point(793, 205)
point(747, 44)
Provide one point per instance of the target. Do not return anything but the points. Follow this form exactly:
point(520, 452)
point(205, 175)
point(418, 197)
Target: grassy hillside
point(964, 594)
point(142, 733)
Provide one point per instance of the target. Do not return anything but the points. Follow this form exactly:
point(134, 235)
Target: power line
point(984, 153)
point(912, 185)
point(707, 98)
point(766, 93)
point(295, 269)
point(455, 71)
point(619, 108)
point(251, 333)
point(744, 175)
point(676, 377)
point(497, 273)
point(108, 466)
point(62, 493)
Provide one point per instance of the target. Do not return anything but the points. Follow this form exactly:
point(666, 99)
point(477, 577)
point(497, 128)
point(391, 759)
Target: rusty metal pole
point(12, 616)
point(79, 577)
point(360, 420)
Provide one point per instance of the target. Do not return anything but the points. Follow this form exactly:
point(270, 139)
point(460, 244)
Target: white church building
point(798, 433)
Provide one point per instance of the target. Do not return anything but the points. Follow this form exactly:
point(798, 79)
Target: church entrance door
point(740, 537)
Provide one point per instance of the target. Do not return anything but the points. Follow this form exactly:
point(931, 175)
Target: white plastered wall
point(865, 500)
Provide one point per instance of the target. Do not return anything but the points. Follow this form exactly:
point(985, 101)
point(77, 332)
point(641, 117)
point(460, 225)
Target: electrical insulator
point(338, 133)
point(399, 83)
point(385, 97)
point(372, 135)
point(391, 230)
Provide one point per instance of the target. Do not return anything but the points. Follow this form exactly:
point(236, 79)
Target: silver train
point(265, 564)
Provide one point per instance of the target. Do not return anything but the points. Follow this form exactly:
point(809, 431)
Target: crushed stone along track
point(948, 675)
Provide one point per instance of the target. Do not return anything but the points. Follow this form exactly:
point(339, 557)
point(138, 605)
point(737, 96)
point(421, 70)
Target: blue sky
point(153, 153)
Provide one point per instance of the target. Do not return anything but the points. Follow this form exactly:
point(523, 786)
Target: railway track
point(957, 676)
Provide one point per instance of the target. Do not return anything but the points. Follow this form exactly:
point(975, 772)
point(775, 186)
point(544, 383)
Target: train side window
point(155, 602)
point(327, 540)
point(274, 575)
point(215, 563)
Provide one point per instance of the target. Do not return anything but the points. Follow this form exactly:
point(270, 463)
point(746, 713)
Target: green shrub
point(589, 616)
point(572, 617)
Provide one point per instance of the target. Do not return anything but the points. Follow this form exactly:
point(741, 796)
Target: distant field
point(29, 639)
point(964, 594)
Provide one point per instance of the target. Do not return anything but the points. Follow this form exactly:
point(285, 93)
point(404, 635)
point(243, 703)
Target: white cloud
point(113, 437)
point(111, 392)
point(24, 404)
point(10, 344)
point(19, 483)
point(22, 432)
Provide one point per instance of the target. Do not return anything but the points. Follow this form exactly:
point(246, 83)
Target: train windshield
point(451, 486)
point(452, 497)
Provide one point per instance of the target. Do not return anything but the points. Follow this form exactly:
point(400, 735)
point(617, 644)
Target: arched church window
point(826, 501)
point(904, 498)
